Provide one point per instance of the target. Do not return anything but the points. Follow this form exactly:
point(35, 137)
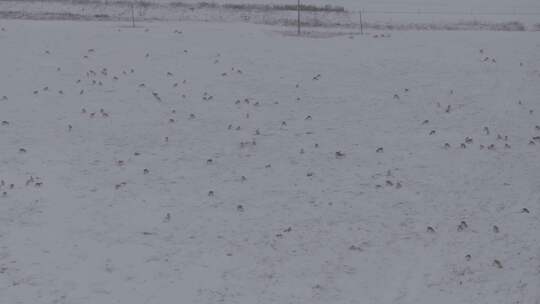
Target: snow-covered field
point(225, 163)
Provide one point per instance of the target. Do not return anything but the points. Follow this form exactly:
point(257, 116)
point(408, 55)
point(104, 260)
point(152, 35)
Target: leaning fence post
point(361, 23)
point(298, 19)
point(132, 15)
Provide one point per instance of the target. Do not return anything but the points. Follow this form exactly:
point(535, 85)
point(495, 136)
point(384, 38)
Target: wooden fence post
point(298, 21)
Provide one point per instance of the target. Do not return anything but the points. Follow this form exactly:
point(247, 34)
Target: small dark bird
point(462, 226)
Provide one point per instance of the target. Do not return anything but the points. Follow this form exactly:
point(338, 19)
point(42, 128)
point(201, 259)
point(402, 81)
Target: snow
point(304, 225)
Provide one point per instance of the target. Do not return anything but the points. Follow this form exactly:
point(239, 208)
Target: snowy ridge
point(324, 16)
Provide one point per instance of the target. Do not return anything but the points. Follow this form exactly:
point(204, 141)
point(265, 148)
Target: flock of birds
point(99, 77)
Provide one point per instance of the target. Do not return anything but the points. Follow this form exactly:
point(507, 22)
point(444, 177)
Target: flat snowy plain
point(226, 163)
